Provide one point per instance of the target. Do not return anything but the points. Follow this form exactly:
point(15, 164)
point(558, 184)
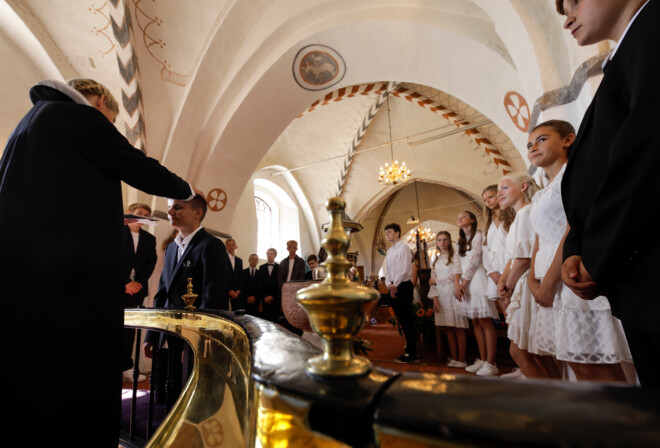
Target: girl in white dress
point(475, 303)
point(445, 281)
point(582, 332)
point(516, 191)
point(496, 228)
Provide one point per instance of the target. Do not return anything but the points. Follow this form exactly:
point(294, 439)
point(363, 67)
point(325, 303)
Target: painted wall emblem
point(517, 108)
point(317, 67)
point(217, 199)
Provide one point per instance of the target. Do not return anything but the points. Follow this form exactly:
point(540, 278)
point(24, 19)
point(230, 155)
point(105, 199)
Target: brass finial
point(190, 296)
point(336, 306)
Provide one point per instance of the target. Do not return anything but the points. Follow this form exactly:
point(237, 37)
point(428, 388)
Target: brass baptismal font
point(336, 306)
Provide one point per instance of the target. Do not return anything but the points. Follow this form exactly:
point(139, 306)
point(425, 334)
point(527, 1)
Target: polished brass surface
point(282, 422)
point(214, 407)
point(336, 306)
point(189, 297)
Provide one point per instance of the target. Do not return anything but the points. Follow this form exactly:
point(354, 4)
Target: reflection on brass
point(393, 438)
point(214, 407)
point(281, 422)
point(336, 306)
point(189, 297)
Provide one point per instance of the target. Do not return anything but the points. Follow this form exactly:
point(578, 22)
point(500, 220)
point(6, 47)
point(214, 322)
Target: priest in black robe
point(61, 279)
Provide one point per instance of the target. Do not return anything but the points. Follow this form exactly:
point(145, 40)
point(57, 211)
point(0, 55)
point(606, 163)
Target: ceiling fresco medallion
point(518, 110)
point(317, 67)
point(216, 199)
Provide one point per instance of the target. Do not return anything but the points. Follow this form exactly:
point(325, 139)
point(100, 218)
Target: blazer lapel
point(179, 262)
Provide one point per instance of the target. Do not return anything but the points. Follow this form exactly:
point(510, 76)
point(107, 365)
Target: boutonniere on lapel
point(187, 264)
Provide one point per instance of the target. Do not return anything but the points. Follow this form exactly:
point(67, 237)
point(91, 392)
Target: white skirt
point(521, 316)
point(476, 305)
point(587, 332)
point(450, 313)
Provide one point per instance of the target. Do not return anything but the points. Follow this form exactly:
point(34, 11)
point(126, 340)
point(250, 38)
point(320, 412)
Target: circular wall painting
point(518, 110)
point(216, 199)
point(317, 67)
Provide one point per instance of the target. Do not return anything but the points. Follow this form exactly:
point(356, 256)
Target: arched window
point(264, 225)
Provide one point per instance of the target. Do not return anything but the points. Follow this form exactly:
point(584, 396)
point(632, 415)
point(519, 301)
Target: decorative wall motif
point(149, 25)
point(518, 110)
point(103, 30)
point(216, 199)
point(347, 92)
point(366, 121)
point(318, 67)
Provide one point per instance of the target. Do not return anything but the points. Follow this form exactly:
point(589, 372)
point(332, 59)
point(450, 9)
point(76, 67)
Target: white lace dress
point(575, 330)
point(494, 255)
point(445, 290)
point(476, 304)
point(521, 312)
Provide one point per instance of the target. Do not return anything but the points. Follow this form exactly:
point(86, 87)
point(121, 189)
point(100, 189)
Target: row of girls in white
point(547, 321)
point(517, 262)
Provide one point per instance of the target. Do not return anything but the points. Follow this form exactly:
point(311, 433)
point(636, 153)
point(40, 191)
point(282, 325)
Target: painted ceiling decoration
point(318, 67)
point(216, 199)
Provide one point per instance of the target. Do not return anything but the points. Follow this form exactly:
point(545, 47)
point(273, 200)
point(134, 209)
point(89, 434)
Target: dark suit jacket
point(610, 184)
point(250, 287)
point(234, 276)
point(269, 286)
point(143, 260)
point(298, 272)
point(205, 261)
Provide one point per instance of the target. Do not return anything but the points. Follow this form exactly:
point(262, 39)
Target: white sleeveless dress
point(521, 312)
point(476, 304)
point(574, 330)
point(494, 255)
point(445, 290)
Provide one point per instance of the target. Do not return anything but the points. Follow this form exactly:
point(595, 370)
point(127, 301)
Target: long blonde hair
point(506, 216)
point(521, 177)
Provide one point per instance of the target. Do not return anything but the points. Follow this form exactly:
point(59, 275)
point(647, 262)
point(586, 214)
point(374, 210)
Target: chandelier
point(425, 234)
point(395, 173)
point(392, 175)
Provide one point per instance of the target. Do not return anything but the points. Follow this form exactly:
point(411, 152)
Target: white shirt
point(136, 238)
point(184, 242)
point(609, 58)
point(232, 260)
point(291, 263)
point(399, 264)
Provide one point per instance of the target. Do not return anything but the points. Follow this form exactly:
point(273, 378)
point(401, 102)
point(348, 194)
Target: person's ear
point(568, 140)
point(524, 186)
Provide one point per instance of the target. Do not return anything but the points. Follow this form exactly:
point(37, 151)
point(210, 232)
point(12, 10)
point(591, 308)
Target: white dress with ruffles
point(574, 330)
point(494, 255)
point(476, 304)
point(445, 290)
point(521, 312)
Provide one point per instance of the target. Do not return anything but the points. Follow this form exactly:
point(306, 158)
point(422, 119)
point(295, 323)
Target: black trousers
point(645, 349)
point(402, 306)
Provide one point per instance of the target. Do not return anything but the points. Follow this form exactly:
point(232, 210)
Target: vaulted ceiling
point(310, 92)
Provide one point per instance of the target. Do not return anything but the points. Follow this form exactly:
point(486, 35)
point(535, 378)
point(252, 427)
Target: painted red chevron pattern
point(422, 101)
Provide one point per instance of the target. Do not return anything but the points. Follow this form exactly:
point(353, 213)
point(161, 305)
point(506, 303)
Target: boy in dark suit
point(234, 276)
point(269, 287)
point(250, 287)
point(139, 263)
point(193, 253)
point(610, 176)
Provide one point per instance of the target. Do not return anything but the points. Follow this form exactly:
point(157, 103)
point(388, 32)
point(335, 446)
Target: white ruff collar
point(65, 89)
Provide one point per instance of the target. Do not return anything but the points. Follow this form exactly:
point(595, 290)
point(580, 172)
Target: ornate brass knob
point(189, 297)
point(336, 306)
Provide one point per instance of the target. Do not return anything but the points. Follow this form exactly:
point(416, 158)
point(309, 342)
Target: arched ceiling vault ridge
point(366, 121)
point(368, 208)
